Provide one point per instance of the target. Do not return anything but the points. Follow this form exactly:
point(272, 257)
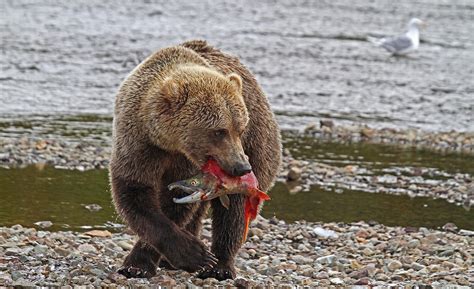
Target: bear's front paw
point(219, 273)
point(190, 254)
point(135, 272)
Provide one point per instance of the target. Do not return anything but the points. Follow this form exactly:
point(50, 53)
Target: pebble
point(413, 244)
point(294, 174)
point(324, 233)
point(62, 251)
point(394, 265)
point(164, 281)
point(98, 233)
point(327, 260)
point(44, 224)
point(255, 232)
point(336, 281)
point(276, 261)
point(125, 245)
point(322, 275)
point(40, 249)
point(362, 281)
point(87, 248)
point(417, 266)
point(242, 283)
point(93, 207)
point(301, 259)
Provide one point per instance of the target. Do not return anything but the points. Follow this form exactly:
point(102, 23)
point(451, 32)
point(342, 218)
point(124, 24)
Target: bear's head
point(200, 113)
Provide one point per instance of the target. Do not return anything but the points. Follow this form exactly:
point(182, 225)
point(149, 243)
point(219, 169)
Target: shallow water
point(352, 206)
point(310, 56)
point(38, 192)
point(380, 158)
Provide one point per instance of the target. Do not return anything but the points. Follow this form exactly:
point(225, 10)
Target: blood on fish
point(254, 197)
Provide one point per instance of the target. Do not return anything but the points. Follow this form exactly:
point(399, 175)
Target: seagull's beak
point(424, 24)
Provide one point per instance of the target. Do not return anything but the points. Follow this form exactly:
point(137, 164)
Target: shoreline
point(452, 141)
point(276, 253)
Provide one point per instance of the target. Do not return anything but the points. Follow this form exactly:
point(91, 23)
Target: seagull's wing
point(397, 44)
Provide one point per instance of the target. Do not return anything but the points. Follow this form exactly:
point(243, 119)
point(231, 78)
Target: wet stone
point(294, 174)
point(44, 224)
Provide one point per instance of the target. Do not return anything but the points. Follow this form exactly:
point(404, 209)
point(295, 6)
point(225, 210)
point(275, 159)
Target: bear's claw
point(217, 273)
point(134, 272)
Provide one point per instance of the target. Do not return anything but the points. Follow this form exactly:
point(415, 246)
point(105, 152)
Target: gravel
point(400, 256)
point(437, 141)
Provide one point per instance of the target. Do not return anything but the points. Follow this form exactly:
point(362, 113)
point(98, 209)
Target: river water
point(41, 193)
point(310, 57)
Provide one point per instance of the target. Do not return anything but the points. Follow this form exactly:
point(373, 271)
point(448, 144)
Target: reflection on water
point(379, 157)
point(353, 206)
point(38, 193)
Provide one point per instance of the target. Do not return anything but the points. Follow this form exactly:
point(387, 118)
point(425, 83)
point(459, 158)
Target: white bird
point(402, 44)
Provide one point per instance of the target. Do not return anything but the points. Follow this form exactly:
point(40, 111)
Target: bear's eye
point(220, 133)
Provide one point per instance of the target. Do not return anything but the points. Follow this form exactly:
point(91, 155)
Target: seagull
point(402, 44)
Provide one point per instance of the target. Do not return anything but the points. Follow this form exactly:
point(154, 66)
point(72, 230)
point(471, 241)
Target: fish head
point(197, 183)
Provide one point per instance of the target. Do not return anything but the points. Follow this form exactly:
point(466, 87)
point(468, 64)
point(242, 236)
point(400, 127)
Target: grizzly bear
point(178, 108)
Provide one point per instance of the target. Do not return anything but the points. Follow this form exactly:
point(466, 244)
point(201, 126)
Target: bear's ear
point(236, 81)
point(170, 95)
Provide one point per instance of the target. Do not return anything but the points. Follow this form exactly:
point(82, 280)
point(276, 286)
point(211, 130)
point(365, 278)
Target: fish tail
point(246, 228)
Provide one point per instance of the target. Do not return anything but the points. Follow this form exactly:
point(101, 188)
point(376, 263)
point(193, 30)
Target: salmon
point(213, 183)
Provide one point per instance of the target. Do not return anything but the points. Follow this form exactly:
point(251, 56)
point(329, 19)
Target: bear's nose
point(241, 169)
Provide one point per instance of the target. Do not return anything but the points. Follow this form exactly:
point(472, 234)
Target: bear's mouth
point(209, 157)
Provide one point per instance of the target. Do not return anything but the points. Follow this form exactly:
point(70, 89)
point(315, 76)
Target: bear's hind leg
point(141, 262)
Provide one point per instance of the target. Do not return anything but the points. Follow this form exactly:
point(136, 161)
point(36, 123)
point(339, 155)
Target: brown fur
point(180, 106)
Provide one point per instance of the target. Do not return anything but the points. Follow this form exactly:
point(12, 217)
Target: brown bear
point(178, 108)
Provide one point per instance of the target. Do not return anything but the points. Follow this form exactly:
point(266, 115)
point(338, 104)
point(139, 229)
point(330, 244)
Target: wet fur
point(145, 160)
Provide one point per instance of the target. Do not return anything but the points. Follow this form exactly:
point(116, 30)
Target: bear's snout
point(241, 169)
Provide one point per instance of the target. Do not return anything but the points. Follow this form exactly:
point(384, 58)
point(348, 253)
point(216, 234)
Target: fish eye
point(193, 182)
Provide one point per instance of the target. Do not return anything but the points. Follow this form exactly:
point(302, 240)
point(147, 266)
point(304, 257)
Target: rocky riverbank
point(437, 141)
point(276, 253)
